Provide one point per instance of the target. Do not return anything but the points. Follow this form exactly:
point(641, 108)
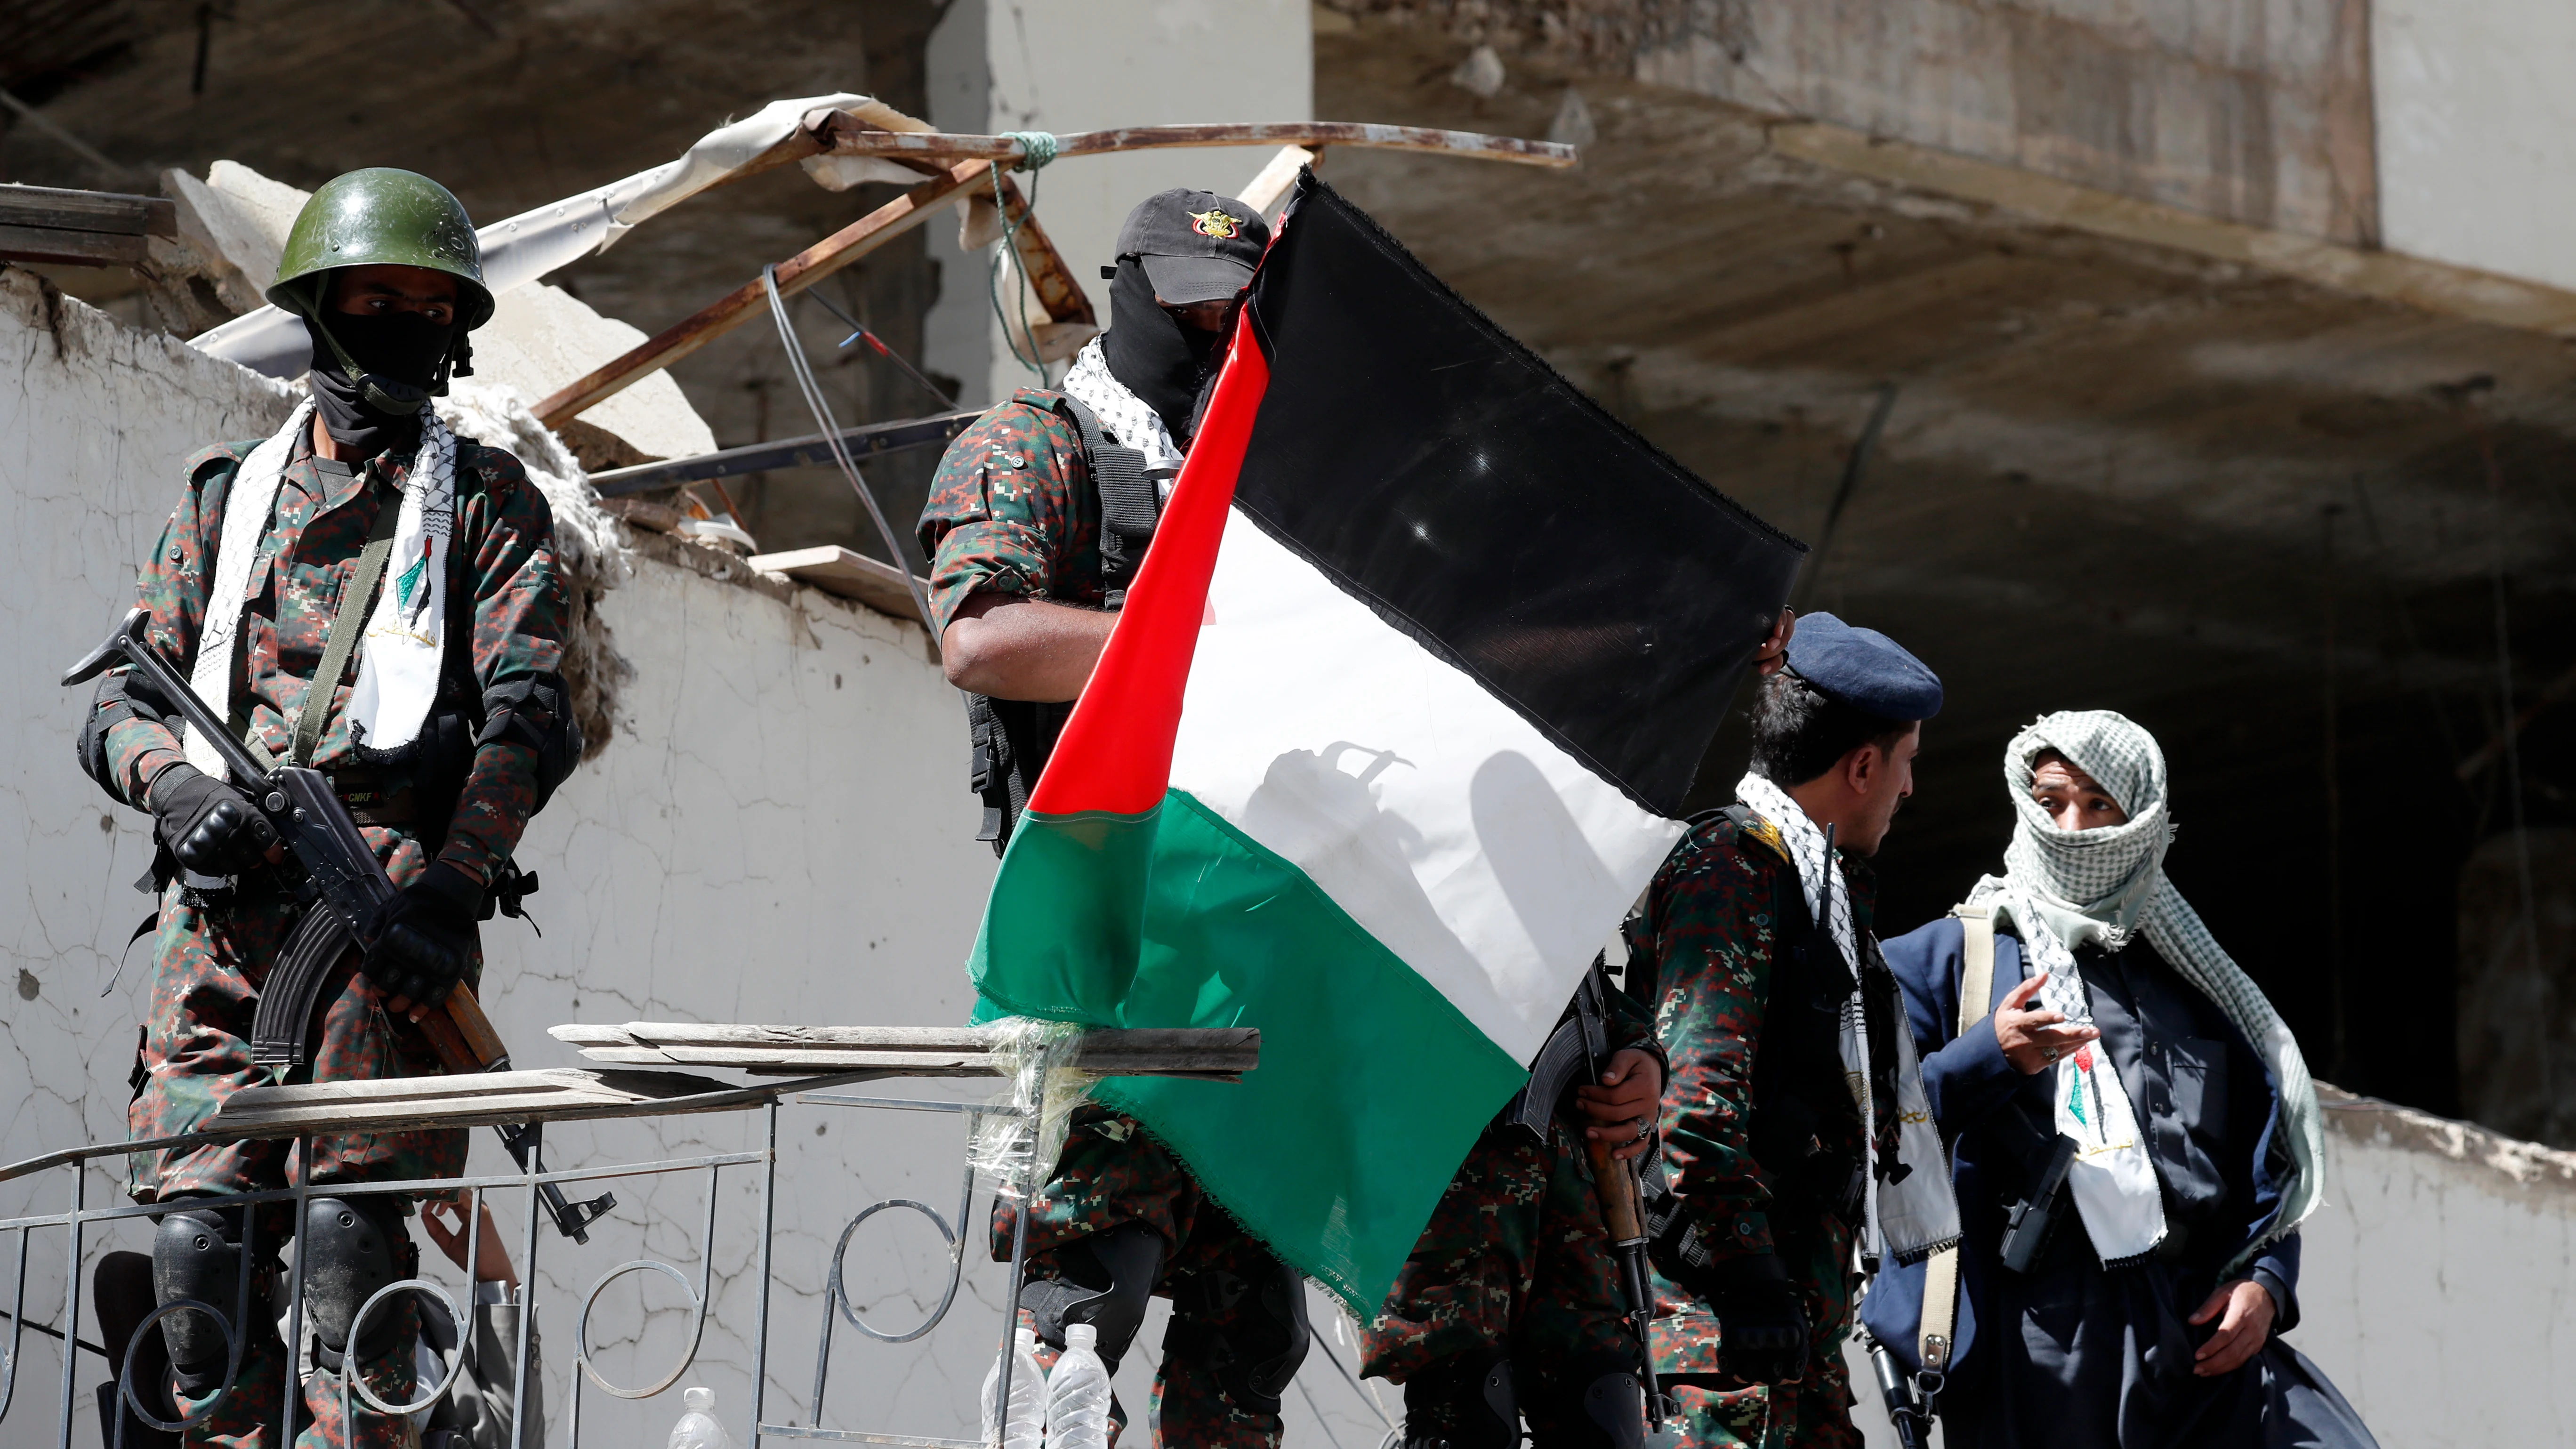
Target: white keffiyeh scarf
point(1131, 421)
point(2063, 890)
point(1915, 1215)
point(398, 654)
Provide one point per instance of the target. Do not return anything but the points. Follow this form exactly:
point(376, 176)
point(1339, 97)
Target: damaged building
point(2209, 360)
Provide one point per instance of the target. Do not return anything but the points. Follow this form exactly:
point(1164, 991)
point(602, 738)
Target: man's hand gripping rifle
point(327, 862)
point(1614, 1182)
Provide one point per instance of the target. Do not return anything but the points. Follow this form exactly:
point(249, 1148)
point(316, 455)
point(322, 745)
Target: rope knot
point(1037, 148)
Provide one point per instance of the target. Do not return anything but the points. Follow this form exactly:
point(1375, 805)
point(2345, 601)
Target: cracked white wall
point(781, 831)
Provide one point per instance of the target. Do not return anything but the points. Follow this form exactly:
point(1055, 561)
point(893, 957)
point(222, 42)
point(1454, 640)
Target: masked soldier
point(1035, 525)
point(372, 596)
point(1794, 1116)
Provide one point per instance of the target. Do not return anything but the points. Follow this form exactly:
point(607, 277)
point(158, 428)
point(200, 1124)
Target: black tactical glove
point(1761, 1326)
point(425, 935)
point(211, 827)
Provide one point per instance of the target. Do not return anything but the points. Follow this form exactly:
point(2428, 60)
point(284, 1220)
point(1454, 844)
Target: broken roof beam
point(1056, 290)
point(841, 134)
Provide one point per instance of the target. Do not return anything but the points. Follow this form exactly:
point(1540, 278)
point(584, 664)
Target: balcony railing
point(813, 1066)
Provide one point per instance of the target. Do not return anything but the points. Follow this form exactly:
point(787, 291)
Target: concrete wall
point(1073, 65)
point(2253, 110)
point(2439, 1278)
point(2477, 154)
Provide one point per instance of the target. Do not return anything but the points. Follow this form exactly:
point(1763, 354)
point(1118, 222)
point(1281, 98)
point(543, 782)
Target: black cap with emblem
point(1196, 246)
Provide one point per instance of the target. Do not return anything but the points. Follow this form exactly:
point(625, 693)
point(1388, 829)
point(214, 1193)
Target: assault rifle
point(329, 865)
point(1583, 1045)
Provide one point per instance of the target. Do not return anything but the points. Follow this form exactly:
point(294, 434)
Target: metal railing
point(311, 1109)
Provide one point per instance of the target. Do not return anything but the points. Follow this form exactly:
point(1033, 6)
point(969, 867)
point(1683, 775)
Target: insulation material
point(522, 248)
point(590, 546)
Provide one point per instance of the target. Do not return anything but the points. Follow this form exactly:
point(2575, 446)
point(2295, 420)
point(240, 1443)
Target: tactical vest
point(1012, 738)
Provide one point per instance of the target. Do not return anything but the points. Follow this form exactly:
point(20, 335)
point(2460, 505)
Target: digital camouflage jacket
point(1714, 927)
point(502, 557)
point(1012, 510)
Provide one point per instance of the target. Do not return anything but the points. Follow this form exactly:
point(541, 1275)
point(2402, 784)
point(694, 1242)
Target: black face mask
point(399, 355)
point(1167, 364)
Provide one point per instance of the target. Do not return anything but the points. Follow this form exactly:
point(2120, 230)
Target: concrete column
point(1074, 65)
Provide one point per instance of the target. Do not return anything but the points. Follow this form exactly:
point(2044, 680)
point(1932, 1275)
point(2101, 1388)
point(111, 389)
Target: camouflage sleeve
point(521, 618)
point(171, 586)
point(1004, 509)
point(1711, 937)
point(1627, 1023)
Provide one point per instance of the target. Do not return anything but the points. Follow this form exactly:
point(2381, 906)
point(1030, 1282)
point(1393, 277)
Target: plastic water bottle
point(1026, 1424)
point(1077, 1403)
point(698, 1428)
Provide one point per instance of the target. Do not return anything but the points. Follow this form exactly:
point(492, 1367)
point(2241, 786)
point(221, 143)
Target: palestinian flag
point(1396, 723)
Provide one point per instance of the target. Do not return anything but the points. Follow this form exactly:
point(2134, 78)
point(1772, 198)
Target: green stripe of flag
point(1371, 1086)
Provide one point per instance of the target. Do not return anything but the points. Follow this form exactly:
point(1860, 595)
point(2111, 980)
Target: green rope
point(1038, 155)
point(1037, 148)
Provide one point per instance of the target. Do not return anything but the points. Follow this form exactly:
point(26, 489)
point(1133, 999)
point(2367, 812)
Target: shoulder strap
point(1130, 505)
point(1977, 963)
point(1941, 1274)
point(356, 602)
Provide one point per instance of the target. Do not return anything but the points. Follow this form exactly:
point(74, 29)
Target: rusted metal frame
point(843, 135)
point(743, 303)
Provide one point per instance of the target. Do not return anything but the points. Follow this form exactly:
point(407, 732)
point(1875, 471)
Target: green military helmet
point(382, 216)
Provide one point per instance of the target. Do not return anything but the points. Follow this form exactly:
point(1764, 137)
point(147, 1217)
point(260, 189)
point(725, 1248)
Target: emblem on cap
point(1216, 222)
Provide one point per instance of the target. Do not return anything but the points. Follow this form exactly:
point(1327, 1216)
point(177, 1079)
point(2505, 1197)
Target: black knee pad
point(1608, 1411)
point(1465, 1402)
point(1107, 1281)
point(1249, 1332)
point(196, 1254)
point(351, 1248)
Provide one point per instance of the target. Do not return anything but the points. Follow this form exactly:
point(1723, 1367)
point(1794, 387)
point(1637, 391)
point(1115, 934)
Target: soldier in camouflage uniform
point(1031, 544)
point(1511, 1298)
point(383, 267)
point(1754, 1245)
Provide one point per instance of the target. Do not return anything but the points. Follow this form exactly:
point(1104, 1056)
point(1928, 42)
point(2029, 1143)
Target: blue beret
point(1863, 668)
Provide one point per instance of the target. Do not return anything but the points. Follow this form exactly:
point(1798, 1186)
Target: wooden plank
point(750, 300)
point(416, 1103)
point(75, 248)
point(845, 573)
point(112, 212)
point(1221, 1053)
point(1269, 186)
point(700, 1033)
point(848, 136)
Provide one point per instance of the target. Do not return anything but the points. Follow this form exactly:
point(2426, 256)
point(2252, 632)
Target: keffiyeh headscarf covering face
point(2063, 890)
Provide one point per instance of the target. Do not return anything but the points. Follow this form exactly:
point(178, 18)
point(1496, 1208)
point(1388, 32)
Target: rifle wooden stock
point(462, 1035)
point(1615, 1183)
